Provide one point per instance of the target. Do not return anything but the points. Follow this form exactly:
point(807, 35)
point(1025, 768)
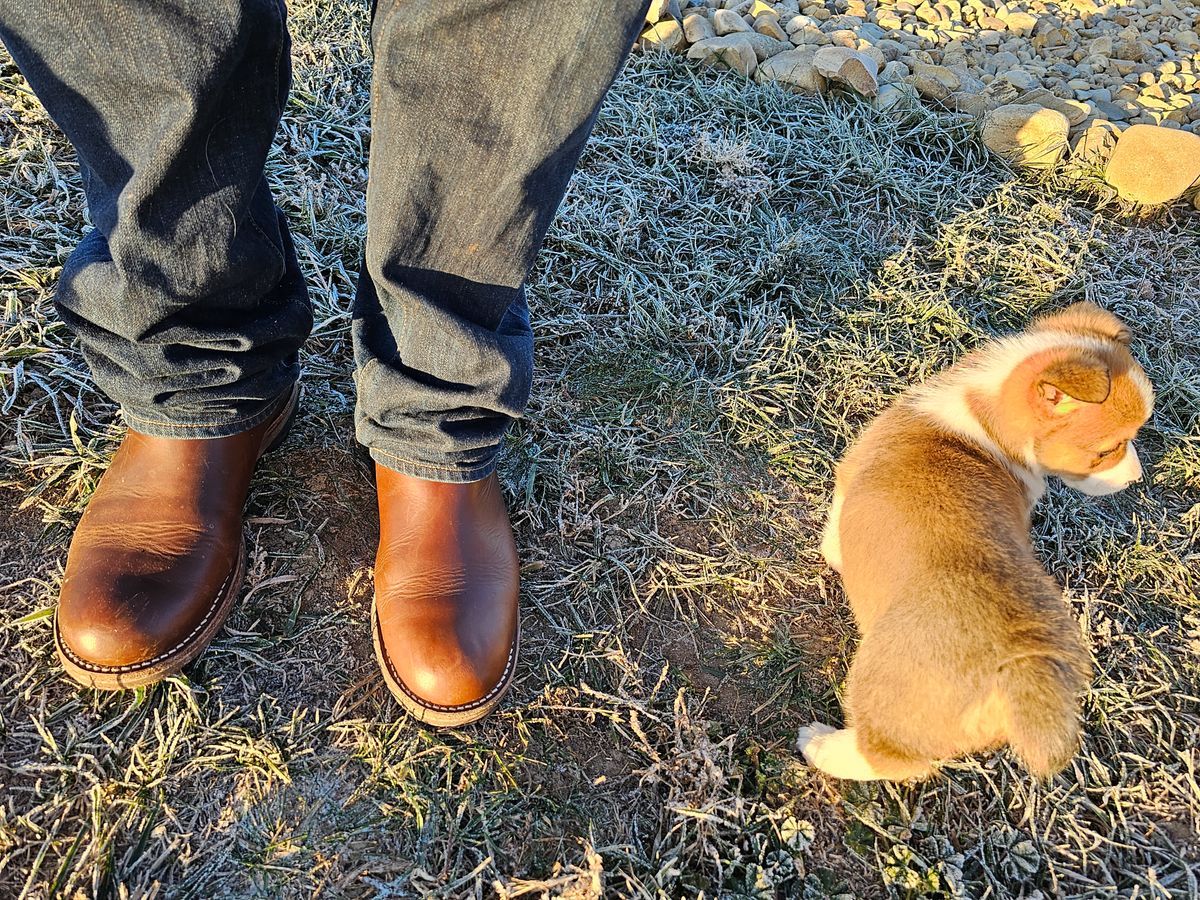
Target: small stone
point(810, 36)
point(799, 23)
point(934, 82)
point(894, 72)
point(697, 28)
point(891, 49)
point(1187, 41)
point(1021, 23)
point(1095, 143)
point(769, 25)
point(849, 67)
point(927, 13)
point(726, 21)
point(1026, 135)
point(793, 70)
point(732, 51)
point(844, 38)
point(659, 9)
point(766, 46)
point(1075, 112)
point(664, 35)
point(881, 60)
point(979, 100)
point(758, 8)
point(1020, 79)
point(871, 33)
point(1154, 165)
point(1109, 110)
point(891, 96)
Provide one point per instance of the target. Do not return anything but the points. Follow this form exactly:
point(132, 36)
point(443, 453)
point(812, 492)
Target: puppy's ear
point(1085, 319)
point(1070, 381)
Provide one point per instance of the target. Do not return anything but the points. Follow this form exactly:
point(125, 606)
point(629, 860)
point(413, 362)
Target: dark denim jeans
point(187, 297)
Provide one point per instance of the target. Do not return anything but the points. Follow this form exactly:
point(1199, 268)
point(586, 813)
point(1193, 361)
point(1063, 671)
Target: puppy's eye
point(1109, 452)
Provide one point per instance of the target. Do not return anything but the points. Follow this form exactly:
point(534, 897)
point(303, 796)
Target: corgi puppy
point(966, 642)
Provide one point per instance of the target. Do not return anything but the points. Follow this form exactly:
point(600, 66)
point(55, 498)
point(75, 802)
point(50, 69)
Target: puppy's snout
point(1120, 476)
point(1135, 464)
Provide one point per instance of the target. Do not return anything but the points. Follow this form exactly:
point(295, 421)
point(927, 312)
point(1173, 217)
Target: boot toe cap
point(442, 668)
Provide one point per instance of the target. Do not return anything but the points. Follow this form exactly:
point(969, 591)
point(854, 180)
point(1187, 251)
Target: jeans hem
point(203, 430)
point(452, 474)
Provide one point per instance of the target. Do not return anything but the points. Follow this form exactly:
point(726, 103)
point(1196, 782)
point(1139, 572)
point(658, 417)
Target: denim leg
point(186, 295)
point(480, 110)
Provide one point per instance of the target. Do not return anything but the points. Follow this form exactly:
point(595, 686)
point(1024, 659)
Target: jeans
point(187, 297)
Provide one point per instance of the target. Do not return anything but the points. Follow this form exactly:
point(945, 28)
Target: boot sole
point(434, 714)
point(119, 678)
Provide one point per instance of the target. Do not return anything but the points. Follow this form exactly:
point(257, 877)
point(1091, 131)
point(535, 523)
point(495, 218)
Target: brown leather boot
point(444, 617)
point(158, 558)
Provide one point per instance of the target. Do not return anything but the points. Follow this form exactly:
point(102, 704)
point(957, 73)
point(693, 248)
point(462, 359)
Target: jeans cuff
point(454, 474)
point(155, 425)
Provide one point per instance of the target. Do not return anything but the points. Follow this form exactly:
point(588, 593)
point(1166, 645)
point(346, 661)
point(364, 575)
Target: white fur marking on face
point(835, 752)
point(831, 542)
point(1142, 383)
point(944, 397)
point(1120, 476)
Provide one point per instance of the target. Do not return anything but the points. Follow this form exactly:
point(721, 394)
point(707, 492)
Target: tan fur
point(966, 642)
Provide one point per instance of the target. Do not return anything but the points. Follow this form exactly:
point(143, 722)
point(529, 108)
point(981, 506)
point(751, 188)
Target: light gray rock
point(733, 51)
point(894, 72)
point(1021, 23)
point(659, 9)
point(1074, 111)
point(811, 36)
point(1107, 109)
point(794, 71)
point(1026, 135)
point(664, 35)
point(849, 67)
point(697, 28)
point(934, 82)
point(1094, 144)
point(1020, 79)
point(896, 96)
point(768, 24)
point(726, 21)
point(765, 46)
point(799, 23)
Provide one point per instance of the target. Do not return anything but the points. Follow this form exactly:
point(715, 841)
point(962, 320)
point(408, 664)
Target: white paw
point(831, 544)
point(831, 550)
point(810, 738)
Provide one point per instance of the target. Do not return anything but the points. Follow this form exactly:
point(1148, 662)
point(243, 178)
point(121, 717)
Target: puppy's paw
point(810, 738)
point(831, 548)
point(835, 752)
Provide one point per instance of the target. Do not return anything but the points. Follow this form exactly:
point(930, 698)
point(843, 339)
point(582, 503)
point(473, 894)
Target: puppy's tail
point(1042, 692)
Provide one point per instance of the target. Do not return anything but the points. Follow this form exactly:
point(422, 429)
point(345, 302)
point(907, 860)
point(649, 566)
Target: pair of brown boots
point(158, 560)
